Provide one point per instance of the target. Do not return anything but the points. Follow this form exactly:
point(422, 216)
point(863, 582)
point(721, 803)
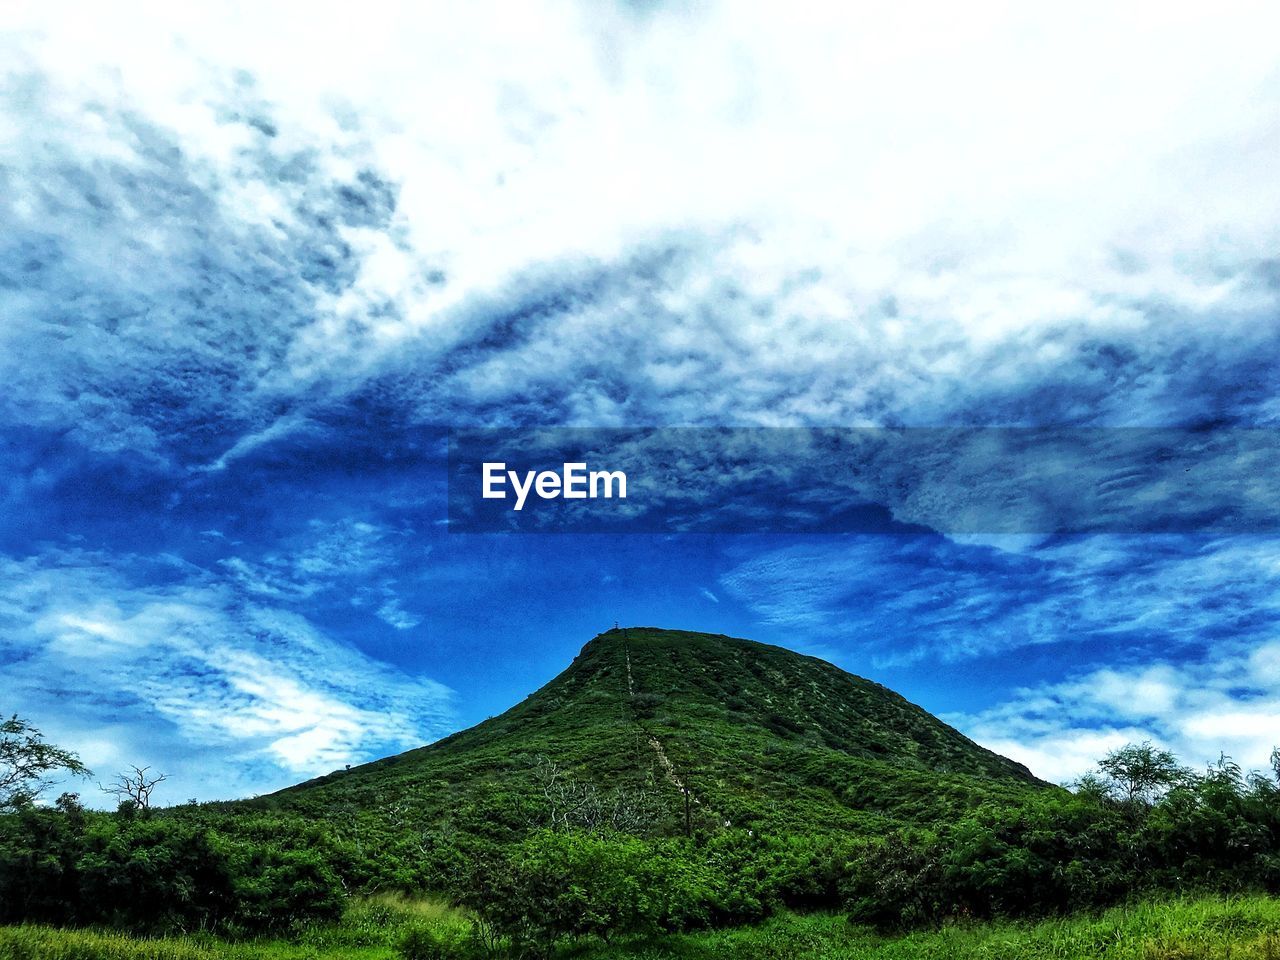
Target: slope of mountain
point(750, 735)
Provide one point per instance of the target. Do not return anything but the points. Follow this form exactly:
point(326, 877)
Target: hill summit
point(715, 731)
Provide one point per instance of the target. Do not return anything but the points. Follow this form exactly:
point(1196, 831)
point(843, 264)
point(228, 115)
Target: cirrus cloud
point(260, 694)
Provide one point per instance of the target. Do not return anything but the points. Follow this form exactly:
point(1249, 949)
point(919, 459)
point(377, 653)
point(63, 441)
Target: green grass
point(1209, 928)
point(1200, 929)
point(368, 931)
point(44, 943)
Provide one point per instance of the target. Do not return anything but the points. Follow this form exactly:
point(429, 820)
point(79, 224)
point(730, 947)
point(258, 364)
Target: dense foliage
point(246, 871)
point(160, 873)
point(1051, 854)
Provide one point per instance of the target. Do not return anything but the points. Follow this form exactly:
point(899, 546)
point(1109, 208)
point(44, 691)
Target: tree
point(26, 762)
point(1094, 787)
point(1140, 772)
point(134, 787)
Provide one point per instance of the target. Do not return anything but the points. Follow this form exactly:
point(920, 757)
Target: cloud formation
point(225, 258)
point(1229, 703)
point(907, 599)
point(887, 218)
point(264, 695)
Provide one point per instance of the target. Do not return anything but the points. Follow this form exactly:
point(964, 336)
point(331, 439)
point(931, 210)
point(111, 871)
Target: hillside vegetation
point(666, 795)
point(763, 738)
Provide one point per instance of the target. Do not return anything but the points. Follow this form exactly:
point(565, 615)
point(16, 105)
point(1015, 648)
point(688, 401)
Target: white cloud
point(240, 696)
point(395, 615)
point(1063, 757)
point(353, 555)
point(840, 215)
point(1198, 709)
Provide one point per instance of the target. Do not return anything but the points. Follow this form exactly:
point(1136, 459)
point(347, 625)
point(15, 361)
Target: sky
point(255, 266)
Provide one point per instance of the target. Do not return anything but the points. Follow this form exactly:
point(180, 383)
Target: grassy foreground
point(1208, 928)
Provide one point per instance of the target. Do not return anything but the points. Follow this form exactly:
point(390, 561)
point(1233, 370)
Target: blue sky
point(254, 268)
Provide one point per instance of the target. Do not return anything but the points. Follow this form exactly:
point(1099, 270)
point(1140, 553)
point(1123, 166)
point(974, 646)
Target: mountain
point(751, 735)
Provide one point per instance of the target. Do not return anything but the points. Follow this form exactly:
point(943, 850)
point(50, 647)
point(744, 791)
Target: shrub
point(279, 888)
point(897, 882)
point(436, 942)
point(156, 874)
point(558, 885)
point(646, 705)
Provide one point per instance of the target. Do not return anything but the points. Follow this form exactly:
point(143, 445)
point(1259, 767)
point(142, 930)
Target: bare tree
point(631, 811)
point(135, 786)
point(559, 792)
point(570, 804)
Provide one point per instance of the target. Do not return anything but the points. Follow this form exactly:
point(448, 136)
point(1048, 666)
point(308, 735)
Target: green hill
point(760, 736)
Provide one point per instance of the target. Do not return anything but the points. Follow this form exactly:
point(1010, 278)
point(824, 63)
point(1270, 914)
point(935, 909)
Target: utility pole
point(688, 812)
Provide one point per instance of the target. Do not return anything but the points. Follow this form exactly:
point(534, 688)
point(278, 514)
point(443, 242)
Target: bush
point(285, 888)
point(156, 874)
point(437, 942)
point(1057, 852)
point(897, 882)
point(645, 705)
point(152, 876)
point(555, 886)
